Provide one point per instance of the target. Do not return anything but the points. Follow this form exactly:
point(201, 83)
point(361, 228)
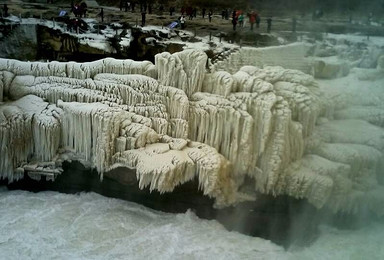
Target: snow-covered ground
point(99, 38)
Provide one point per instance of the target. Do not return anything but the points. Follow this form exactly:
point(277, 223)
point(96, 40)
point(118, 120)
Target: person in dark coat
point(234, 20)
point(143, 14)
point(294, 24)
point(133, 6)
point(210, 13)
point(269, 24)
point(257, 20)
point(101, 14)
point(5, 10)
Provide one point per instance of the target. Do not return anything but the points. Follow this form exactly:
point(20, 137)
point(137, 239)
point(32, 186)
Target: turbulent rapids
point(90, 226)
point(240, 126)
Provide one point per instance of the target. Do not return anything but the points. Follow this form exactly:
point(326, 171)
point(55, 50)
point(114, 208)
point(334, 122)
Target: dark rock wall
point(18, 42)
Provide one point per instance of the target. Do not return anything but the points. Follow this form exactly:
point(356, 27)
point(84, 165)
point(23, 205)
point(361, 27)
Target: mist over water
point(50, 225)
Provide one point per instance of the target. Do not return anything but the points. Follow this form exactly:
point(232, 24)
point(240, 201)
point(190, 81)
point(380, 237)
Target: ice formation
point(266, 126)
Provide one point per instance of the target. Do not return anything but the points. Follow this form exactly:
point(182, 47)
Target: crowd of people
point(238, 18)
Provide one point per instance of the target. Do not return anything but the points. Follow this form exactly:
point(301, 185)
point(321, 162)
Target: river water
point(51, 225)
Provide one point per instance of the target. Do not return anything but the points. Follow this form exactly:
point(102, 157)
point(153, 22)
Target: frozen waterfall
point(183, 117)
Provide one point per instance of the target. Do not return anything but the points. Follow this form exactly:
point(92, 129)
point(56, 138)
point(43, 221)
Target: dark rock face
point(54, 45)
point(37, 42)
point(145, 45)
point(280, 219)
point(18, 41)
point(252, 39)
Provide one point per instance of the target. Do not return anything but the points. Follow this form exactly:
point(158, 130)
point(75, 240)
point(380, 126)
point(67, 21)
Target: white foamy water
point(50, 225)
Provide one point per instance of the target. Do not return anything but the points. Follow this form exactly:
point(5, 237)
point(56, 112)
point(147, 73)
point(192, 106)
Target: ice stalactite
point(16, 144)
point(262, 116)
point(220, 83)
point(78, 70)
point(183, 70)
point(30, 132)
point(164, 165)
point(136, 93)
point(90, 130)
point(102, 116)
point(5, 81)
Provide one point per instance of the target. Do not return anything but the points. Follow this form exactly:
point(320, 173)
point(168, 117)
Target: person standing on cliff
point(258, 19)
point(252, 19)
point(101, 14)
point(143, 14)
point(127, 6)
point(240, 19)
point(269, 24)
point(182, 22)
point(210, 13)
point(234, 20)
point(5, 10)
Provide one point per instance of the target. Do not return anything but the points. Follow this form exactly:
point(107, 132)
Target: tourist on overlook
point(182, 22)
point(210, 13)
point(133, 6)
point(5, 10)
point(252, 19)
point(257, 20)
point(241, 20)
point(161, 9)
point(143, 14)
point(171, 10)
point(127, 5)
point(101, 14)
point(234, 20)
point(269, 24)
point(189, 12)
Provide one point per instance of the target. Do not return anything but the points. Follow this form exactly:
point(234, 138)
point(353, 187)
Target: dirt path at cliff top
point(281, 24)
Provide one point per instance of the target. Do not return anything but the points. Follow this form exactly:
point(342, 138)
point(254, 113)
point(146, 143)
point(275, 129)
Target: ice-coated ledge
point(266, 129)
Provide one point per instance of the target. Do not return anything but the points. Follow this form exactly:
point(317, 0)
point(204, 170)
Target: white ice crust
point(252, 129)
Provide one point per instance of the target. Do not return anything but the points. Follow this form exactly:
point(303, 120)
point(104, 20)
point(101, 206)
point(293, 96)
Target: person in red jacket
point(252, 19)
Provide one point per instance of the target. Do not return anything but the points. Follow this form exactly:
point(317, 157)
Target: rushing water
point(50, 225)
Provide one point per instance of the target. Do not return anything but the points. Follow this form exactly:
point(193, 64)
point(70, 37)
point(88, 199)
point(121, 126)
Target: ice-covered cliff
point(256, 129)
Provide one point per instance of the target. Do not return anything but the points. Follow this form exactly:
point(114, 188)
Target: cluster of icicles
point(173, 121)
